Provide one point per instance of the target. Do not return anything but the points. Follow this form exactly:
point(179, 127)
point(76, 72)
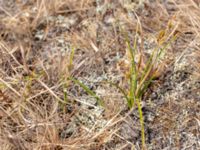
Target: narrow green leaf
point(86, 88)
point(120, 89)
point(71, 58)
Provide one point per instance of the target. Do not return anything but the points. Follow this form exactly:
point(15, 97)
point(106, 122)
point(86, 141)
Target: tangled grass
point(66, 67)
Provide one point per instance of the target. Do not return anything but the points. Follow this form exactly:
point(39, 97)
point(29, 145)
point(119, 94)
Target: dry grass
point(44, 42)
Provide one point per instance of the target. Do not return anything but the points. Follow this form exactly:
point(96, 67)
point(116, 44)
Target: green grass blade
point(86, 88)
point(144, 87)
point(133, 69)
point(122, 91)
point(141, 122)
point(165, 47)
point(71, 58)
point(133, 87)
point(65, 95)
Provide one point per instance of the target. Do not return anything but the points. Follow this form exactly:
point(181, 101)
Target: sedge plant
point(140, 76)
